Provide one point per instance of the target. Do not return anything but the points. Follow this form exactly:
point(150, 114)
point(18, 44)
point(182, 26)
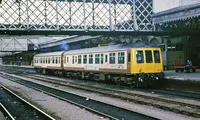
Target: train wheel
point(182, 70)
point(142, 80)
point(44, 71)
point(91, 77)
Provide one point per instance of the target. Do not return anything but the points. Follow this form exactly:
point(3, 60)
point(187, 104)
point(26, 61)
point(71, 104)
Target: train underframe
point(141, 80)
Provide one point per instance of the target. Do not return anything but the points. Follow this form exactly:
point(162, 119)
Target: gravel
point(67, 111)
point(62, 110)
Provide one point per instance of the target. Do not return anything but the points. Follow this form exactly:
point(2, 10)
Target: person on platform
point(188, 66)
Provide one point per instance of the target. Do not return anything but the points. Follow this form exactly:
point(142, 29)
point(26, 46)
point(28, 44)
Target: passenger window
point(73, 60)
point(46, 60)
point(148, 55)
point(106, 58)
point(53, 60)
point(79, 59)
point(97, 58)
point(101, 58)
point(156, 56)
point(112, 58)
point(49, 60)
point(84, 59)
point(90, 59)
point(121, 58)
point(139, 56)
point(56, 60)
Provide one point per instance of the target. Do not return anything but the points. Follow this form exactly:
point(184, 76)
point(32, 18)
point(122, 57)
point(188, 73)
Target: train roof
point(50, 54)
point(101, 49)
point(113, 47)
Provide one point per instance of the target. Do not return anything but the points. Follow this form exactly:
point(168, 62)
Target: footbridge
point(47, 17)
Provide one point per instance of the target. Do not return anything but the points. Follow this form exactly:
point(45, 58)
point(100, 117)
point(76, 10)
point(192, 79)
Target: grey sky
point(161, 5)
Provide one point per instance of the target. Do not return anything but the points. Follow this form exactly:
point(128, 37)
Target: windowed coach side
point(96, 61)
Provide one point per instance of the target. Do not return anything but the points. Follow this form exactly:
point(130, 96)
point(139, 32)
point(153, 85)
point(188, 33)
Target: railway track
point(163, 103)
point(159, 102)
point(188, 95)
point(6, 113)
point(98, 107)
point(16, 108)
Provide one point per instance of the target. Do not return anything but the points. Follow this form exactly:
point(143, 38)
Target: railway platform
point(192, 76)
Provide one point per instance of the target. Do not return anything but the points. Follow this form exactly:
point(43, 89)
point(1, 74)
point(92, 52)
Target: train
point(135, 64)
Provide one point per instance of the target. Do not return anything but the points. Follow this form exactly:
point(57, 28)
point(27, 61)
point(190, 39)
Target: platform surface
point(193, 76)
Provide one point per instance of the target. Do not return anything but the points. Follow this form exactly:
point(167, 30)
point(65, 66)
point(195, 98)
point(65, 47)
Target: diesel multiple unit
point(138, 64)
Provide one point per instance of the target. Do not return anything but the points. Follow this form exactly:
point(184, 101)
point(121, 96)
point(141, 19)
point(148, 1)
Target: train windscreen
point(156, 56)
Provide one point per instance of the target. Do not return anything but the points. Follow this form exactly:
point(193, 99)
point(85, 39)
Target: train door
point(138, 65)
point(149, 67)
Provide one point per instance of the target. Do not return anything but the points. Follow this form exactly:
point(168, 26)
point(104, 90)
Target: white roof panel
point(50, 54)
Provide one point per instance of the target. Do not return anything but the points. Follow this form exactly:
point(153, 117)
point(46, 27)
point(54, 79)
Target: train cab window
point(148, 55)
point(120, 57)
point(79, 59)
point(84, 59)
point(112, 58)
point(97, 58)
point(139, 56)
point(156, 56)
point(90, 59)
point(101, 58)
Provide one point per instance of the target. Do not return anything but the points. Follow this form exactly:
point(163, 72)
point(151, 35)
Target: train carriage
point(124, 63)
point(138, 64)
point(47, 63)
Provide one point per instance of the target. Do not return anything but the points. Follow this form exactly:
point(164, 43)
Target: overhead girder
point(75, 15)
